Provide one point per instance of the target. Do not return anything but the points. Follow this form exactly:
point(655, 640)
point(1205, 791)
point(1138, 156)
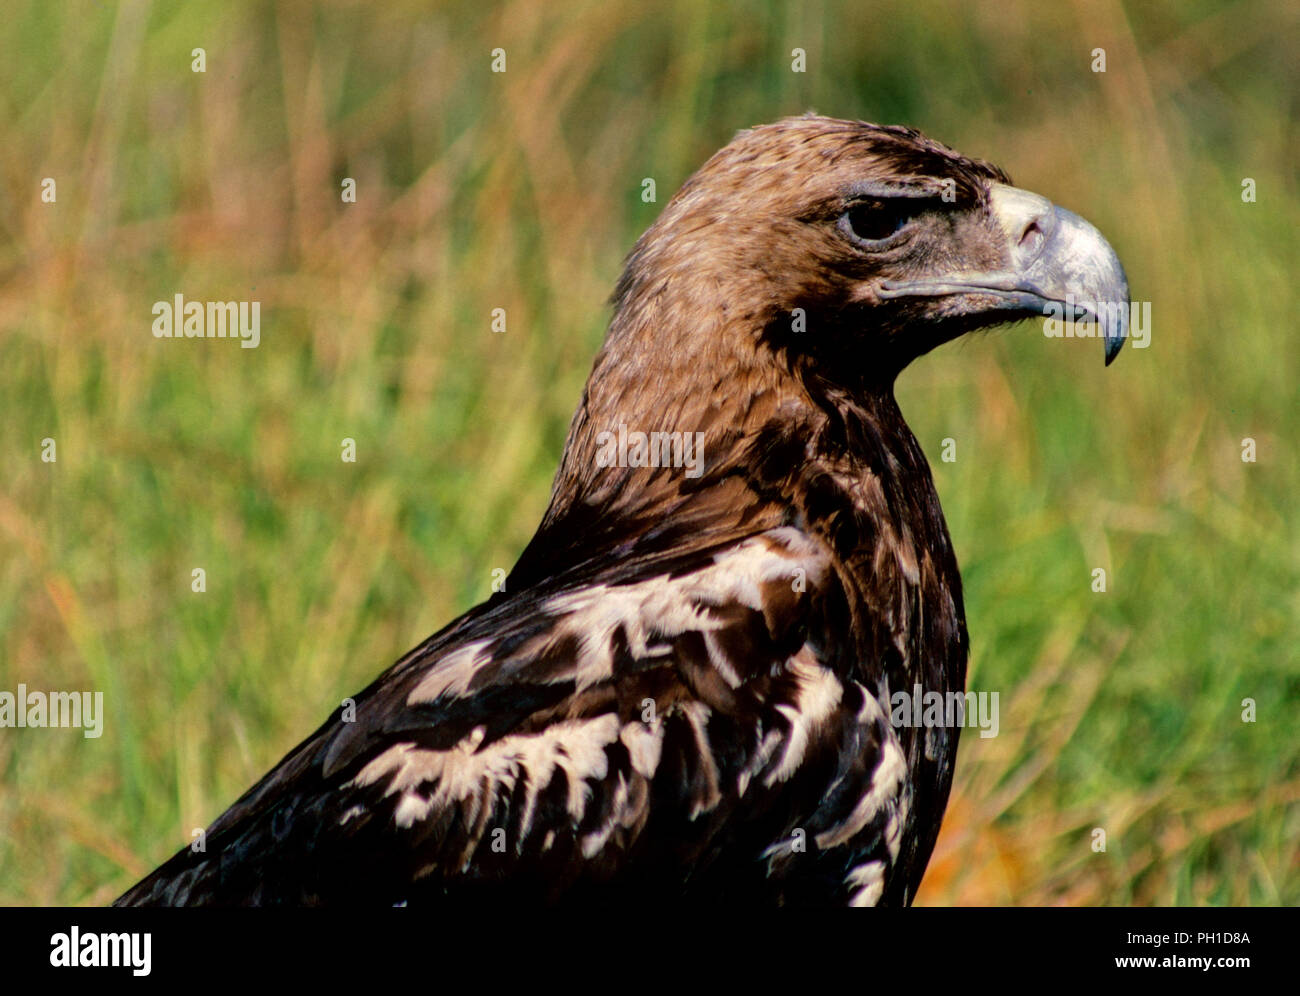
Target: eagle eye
point(877, 219)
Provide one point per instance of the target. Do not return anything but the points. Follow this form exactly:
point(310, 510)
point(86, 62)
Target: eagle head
point(863, 246)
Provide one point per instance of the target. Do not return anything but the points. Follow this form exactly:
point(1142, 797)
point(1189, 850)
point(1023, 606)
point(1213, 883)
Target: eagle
point(683, 691)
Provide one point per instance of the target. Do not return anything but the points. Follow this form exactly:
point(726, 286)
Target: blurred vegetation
point(522, 190)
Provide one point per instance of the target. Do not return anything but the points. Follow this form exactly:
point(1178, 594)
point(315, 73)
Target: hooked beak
point(1060, 265)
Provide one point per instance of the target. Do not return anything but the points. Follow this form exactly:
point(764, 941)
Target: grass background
point(522, 190)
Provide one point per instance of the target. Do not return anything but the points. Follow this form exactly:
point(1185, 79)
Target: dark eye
point(872, 221)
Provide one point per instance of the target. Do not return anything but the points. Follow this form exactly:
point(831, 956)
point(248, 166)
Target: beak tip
point(1113, 345)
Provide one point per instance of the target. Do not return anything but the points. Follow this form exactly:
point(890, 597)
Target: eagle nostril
point(1031, 240)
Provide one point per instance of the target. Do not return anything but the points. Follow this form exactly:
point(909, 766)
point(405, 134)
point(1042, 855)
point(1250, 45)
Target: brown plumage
point(684, 692)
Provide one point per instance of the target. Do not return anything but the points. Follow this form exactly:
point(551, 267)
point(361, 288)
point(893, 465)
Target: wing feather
point(553, 741)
